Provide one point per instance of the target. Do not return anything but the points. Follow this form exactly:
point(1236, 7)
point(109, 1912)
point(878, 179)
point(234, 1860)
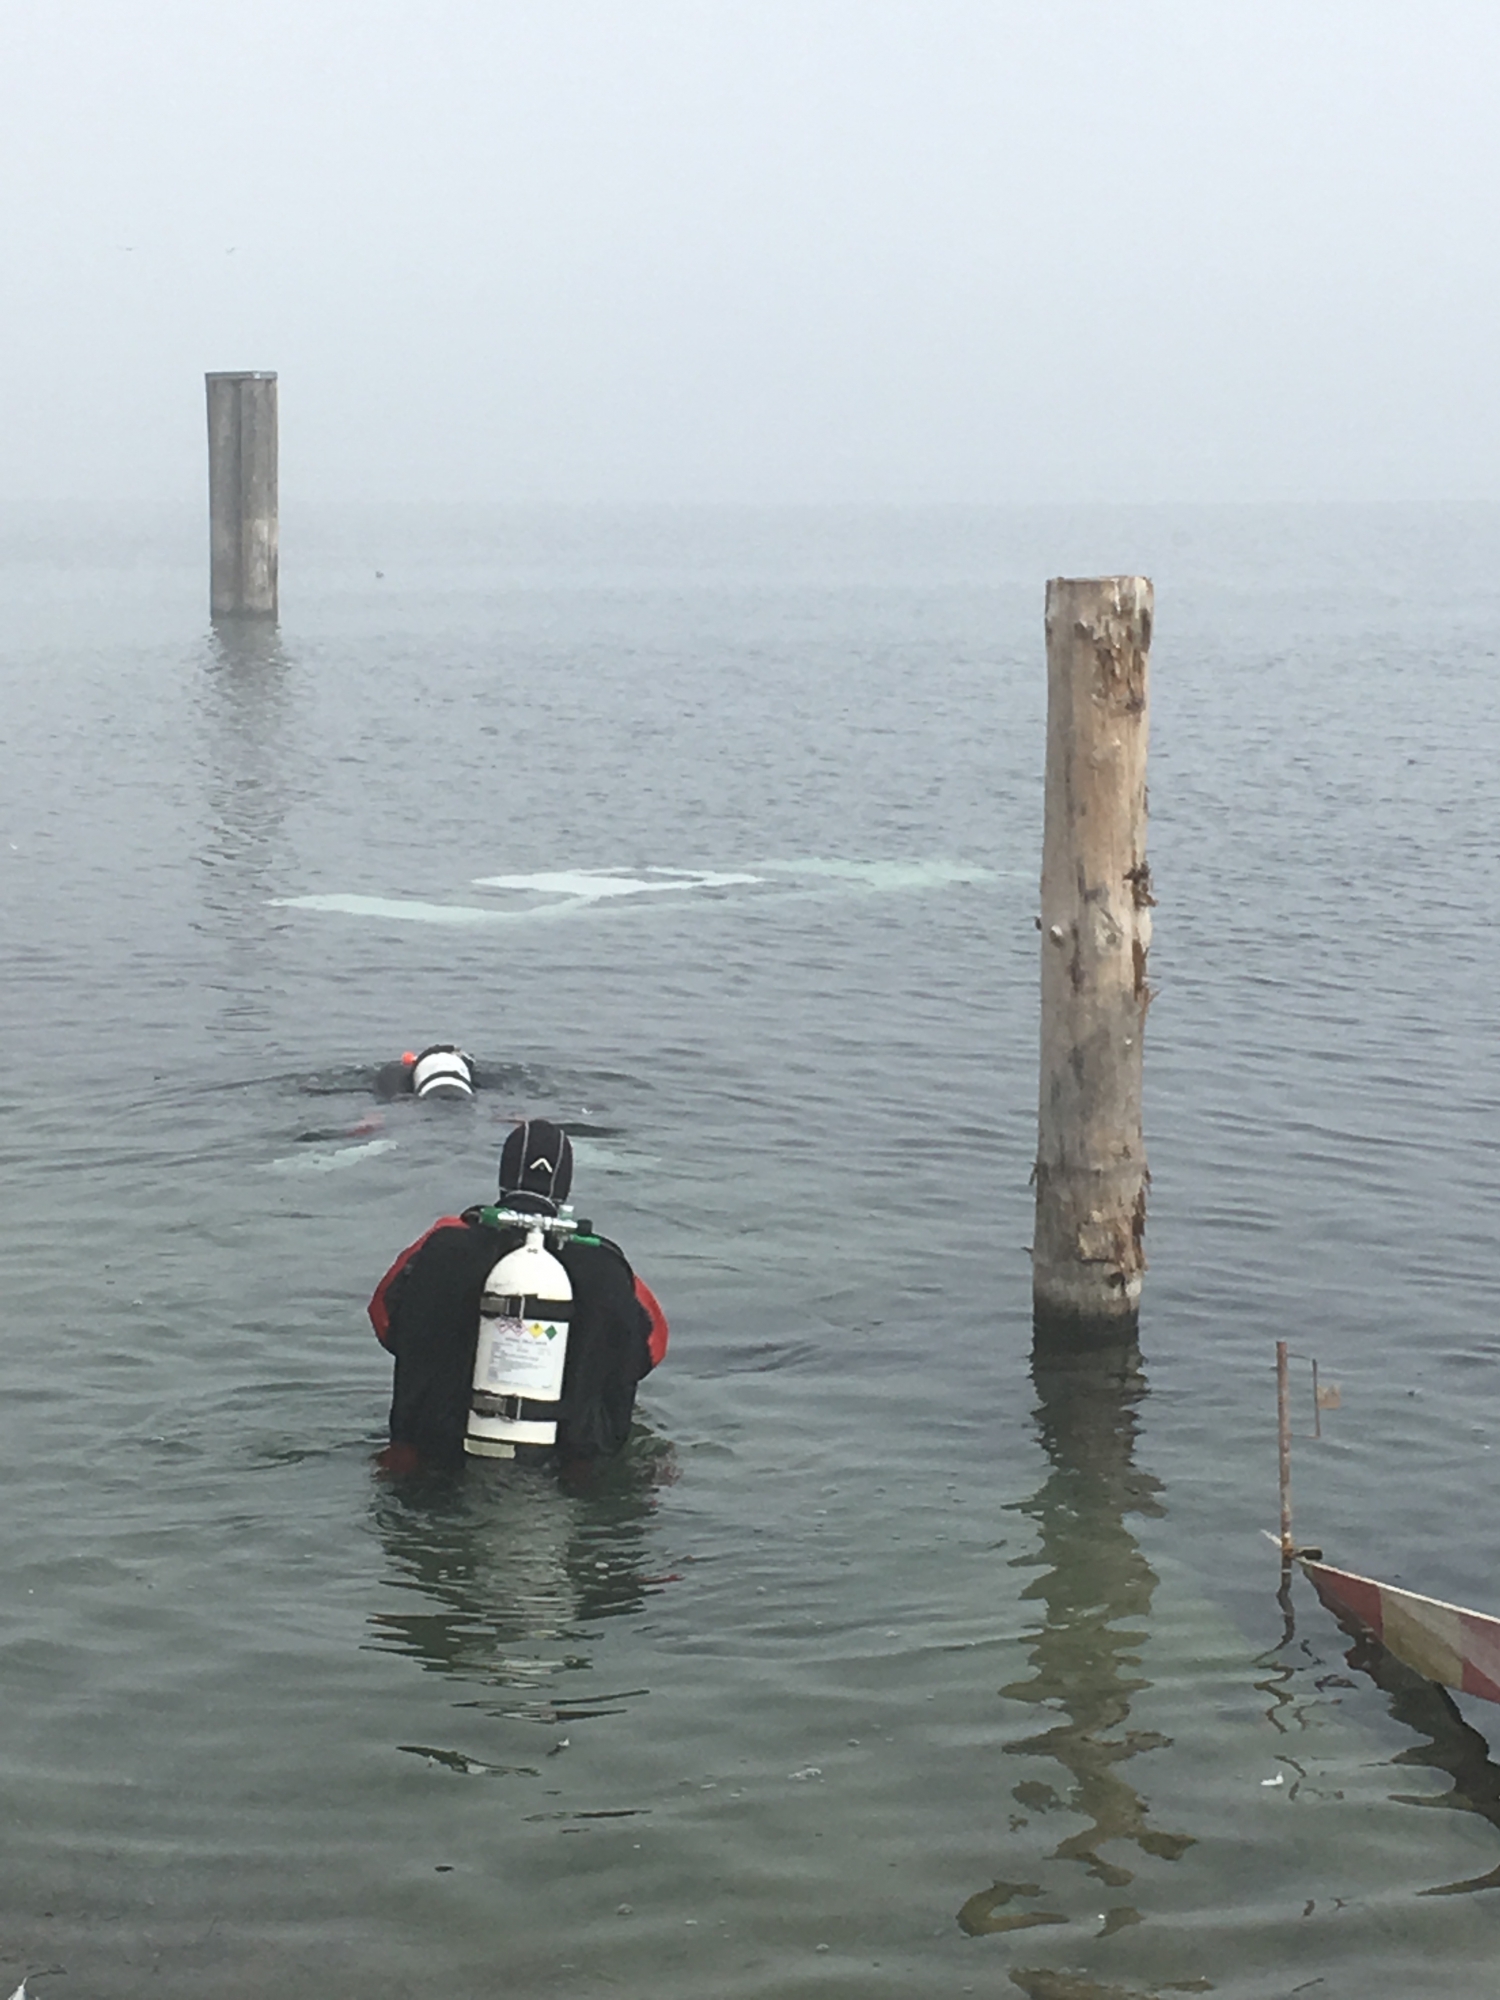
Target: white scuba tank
point(523, 1343)
point(442, 1072)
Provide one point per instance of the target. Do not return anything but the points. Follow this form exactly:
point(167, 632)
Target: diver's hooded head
point(536, 1167)
point(443, 1071)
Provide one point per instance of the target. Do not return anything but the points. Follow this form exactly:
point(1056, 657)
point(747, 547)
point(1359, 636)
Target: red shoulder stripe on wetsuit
point(379, 1306)
point(659, 1328)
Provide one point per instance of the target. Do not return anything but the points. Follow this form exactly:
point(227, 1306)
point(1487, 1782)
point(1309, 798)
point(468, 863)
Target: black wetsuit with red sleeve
point(426, 1312)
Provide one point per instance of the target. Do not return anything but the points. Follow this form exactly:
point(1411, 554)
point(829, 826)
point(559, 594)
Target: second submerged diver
point(432, 1305)
point(441, 1070)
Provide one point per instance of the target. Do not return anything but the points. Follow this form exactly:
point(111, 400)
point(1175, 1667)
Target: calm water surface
point(876, 1667)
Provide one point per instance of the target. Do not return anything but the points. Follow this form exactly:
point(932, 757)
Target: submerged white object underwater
point(330, 1163)
point(398, 907)
point(612, 1159)
point(887, 875)
point(591, 884)
point(565, 892)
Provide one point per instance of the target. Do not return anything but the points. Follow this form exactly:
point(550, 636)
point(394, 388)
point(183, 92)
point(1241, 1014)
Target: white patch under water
point(567, 891)
point(886, 875)
point(404, 911)
point(330, 1163)
point(592, 884)
point(609, 1159)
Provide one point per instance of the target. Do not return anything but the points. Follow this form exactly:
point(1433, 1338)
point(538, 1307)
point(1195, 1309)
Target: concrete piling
point(1091, 1177)
point(242, 495)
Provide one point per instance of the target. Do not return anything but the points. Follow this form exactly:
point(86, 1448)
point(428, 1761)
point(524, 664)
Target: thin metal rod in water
point(1284, 1448)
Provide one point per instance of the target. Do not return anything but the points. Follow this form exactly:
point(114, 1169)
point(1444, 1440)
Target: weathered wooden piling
point(1091, 1175)
point(242, 496)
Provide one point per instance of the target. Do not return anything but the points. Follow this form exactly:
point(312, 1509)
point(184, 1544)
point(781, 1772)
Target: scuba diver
point(517, 1332)
point(442, 1070)
point(442, 1074)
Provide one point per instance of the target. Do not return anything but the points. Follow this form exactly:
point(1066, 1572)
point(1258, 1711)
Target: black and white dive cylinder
point(524, 1314)
point(443, 1071)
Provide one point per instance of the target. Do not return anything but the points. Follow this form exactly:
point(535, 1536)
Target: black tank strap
point(500, 1305)
point(515, 1409)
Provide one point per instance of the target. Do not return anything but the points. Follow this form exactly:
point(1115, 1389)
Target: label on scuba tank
point(523, 1357)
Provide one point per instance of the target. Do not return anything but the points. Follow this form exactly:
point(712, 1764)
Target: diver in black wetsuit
point(426, 1313)
point(442, 1073)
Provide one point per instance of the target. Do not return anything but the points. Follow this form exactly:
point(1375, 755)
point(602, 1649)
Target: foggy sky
point(756, 249)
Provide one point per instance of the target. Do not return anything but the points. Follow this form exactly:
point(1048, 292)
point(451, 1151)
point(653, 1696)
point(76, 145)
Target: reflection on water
point(1040, 1982)
point(501, 1569)
point(1448, 1743)
point(1095, 1588)
point(245, 680)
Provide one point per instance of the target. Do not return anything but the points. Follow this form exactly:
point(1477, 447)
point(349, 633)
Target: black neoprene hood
point(537, 1158)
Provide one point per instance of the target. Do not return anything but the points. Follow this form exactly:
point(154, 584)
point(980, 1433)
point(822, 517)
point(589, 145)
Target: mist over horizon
point(645, 251)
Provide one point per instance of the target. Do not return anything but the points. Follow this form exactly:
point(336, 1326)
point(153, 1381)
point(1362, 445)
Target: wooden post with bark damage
point(242, 495)
point(1091, 1176)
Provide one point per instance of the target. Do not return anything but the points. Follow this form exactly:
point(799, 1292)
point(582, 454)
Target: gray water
point(876, 1667)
